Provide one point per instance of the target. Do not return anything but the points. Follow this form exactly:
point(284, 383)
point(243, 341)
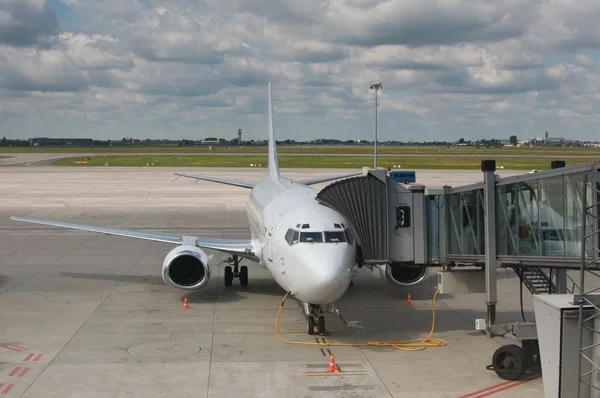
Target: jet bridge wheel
point(510, 362)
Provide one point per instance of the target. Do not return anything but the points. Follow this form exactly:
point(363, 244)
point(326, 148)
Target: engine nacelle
point(186, 267)
point(403, 275)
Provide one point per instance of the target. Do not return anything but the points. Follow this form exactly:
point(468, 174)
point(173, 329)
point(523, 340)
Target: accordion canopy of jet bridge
point(386, 217)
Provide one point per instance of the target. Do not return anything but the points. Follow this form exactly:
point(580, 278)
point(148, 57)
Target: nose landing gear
point(310, 325)
point(315, 312)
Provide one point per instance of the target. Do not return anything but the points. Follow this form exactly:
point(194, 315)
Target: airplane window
point(305, 226)
point(295, 237)
point(288, 236)
point(311, 237)
point(349, 235)
point(335, 236)
point(336, 225)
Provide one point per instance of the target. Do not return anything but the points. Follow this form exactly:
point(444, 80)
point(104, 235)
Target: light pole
point(376, 86)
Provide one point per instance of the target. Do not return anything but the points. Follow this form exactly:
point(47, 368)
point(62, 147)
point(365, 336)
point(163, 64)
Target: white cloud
point(156, 68)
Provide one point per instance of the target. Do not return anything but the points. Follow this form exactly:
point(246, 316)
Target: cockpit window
point(288, 236)
point(311, 237)
point(349, 236)
point(335, 236)
point(291, 236)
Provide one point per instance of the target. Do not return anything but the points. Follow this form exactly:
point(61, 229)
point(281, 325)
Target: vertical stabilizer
point(273, 166)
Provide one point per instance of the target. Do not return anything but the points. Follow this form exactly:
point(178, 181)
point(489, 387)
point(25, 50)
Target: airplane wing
point(325, 179)
point(220, 180)
point(240, 247)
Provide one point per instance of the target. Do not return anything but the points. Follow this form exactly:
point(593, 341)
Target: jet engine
point(403, 275)
point(186, 267)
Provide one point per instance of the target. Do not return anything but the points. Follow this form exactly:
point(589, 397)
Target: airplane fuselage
point(306, 247)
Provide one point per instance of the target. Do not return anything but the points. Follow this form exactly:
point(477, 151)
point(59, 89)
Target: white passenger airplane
point(308, 248)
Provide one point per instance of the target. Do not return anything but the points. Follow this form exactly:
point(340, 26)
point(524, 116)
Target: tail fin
point(273, 166)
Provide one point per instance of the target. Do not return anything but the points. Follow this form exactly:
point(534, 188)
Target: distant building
point(73, 142)
point(545, 136)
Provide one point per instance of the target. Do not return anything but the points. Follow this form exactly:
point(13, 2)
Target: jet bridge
point(388, 221)
point(533, 224)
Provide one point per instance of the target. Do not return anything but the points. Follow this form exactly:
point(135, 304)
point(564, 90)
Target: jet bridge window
point(311, 237)
point(335, 236)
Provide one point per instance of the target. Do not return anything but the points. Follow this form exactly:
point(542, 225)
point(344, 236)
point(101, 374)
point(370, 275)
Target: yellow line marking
point(338, 373)
point(59, 210)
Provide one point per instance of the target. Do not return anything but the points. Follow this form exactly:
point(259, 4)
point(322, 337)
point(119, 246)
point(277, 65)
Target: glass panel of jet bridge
point(537, 215)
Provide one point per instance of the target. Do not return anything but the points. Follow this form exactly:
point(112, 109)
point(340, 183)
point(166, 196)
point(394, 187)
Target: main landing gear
point(237, 272)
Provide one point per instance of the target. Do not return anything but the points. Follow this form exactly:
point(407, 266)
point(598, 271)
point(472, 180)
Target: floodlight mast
point(376, 86)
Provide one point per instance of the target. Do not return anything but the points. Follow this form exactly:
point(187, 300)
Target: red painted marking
point(485, 392)
point(14, 347)
point(23, 372)
point(508, 386)
point(37, 357)
point(35, 242)
point(175, 179)
point(7, 389)
point(15, 370)
point(28, 357)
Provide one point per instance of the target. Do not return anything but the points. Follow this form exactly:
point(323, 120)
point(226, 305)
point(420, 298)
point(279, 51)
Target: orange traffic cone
point(185, 304)
point(332, 367)
point(409, 301)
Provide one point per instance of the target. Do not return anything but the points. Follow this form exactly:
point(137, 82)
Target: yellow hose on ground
point(409, 345)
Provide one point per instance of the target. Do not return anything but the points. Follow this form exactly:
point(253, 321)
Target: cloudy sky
point(199, 68)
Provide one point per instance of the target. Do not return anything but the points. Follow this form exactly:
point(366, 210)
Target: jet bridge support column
point(561, 274)
point(489, 203)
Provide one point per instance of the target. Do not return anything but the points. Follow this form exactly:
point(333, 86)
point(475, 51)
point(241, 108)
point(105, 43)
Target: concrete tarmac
point(88, 315)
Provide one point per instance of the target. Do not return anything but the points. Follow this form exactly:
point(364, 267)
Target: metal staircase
point(536, 280)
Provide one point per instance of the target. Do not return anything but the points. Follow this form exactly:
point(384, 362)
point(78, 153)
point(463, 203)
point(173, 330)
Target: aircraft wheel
point(244, 275)
point(310, 325)
point(228, 276)
point(321, 324)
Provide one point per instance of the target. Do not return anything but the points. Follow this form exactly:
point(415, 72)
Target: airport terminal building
point(75, 142)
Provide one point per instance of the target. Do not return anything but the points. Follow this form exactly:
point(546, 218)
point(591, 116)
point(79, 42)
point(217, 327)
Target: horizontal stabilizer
point(219, 180)
point(325, 179)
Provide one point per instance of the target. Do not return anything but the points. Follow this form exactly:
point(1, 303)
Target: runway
point(88, 315)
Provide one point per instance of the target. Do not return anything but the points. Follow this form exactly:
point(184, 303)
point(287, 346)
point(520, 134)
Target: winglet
point(273, 166)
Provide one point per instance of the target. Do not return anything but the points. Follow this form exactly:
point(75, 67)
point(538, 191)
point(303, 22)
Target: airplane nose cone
point(327, 274)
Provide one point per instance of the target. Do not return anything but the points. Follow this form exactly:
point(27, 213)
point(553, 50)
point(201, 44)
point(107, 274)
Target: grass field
point(306, 149)
point(421, 162)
